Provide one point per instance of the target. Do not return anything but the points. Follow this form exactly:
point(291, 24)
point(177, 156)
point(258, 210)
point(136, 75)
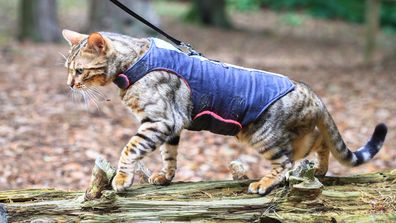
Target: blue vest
point(225, 97)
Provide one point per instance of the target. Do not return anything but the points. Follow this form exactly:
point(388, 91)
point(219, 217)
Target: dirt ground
point(47, 140)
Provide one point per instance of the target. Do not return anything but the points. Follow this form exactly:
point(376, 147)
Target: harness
point(225, 97)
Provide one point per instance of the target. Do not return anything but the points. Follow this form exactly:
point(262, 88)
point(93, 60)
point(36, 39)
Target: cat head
point(88, 59)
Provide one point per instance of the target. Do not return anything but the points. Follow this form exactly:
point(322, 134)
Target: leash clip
point(190, 49)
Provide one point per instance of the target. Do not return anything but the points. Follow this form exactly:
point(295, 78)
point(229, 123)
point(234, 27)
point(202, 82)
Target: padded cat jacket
point(225, 97)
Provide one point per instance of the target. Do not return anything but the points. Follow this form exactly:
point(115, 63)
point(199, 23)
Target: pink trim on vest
point(123, 76)
point(218, 117)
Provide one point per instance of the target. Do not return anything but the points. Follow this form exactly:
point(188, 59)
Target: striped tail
point(338, 147)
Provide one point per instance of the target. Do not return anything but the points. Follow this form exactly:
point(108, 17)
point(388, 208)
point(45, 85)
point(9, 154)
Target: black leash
point(191, 51)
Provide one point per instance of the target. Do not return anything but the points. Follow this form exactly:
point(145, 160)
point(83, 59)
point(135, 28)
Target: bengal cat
point(291, 127)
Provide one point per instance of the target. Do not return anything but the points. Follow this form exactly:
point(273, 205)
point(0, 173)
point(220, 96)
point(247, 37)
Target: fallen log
point(360, 198)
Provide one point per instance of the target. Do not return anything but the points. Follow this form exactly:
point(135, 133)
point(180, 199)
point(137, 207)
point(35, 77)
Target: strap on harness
point(188, 47)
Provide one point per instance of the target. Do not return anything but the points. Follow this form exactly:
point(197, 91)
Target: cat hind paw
point(159, 179)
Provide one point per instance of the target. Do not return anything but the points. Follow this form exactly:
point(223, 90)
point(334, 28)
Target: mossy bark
point(209, 12)
point(373, 19)
point(38, 21)
point(360, 198)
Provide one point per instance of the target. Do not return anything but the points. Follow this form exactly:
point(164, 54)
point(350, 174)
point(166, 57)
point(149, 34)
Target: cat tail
point(338, 147)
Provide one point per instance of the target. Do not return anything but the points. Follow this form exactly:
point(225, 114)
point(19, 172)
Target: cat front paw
point(159, 179)
point(122, 181)
point(262, 187)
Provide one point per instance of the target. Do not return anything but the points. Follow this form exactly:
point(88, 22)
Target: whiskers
point(63, 56)
point(87, 95)
point(63, 60)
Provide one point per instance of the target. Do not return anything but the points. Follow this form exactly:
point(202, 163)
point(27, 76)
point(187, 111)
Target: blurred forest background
point(344, 49)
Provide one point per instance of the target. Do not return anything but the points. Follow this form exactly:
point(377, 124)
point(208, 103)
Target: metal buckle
point(190, 49)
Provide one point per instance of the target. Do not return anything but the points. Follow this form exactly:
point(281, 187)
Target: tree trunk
point(105, 16)
point(209, 12)
point(360, 198)
point(38, 21)
point(373, 16)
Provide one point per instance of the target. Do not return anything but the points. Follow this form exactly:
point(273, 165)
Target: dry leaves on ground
point(47, 140)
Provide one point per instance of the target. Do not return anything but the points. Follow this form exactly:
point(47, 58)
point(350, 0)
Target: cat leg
point(312, 141)
point(169, 159)
point(280, 166)
point(148, 137)
point(323, 153)
point(274, 144)
point(304, 145)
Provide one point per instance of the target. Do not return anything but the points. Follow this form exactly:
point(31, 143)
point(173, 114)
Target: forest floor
point(47, 140)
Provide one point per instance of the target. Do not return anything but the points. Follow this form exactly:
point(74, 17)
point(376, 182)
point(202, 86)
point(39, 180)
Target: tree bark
point(209, 12)
point(105, 16)
point(38, 21)
point(373, 16)
point(360, 198)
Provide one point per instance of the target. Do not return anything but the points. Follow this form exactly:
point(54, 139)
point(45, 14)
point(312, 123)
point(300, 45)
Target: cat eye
point(79, 71)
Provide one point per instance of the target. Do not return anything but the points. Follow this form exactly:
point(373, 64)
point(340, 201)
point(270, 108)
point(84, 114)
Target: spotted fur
point(288, 130)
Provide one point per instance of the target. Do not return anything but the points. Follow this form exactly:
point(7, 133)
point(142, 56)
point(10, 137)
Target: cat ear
point(73, 38)
point(97, 43)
